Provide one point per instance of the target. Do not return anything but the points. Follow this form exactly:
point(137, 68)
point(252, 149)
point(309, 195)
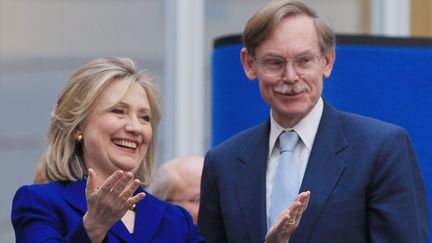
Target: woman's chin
point(127, 165)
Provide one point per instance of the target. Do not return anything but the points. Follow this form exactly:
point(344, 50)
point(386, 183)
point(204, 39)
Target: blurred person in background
point(178, 181)
point(99, 156)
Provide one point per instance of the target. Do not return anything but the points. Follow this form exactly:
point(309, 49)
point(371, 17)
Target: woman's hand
point(108, 204)
point(288, 220)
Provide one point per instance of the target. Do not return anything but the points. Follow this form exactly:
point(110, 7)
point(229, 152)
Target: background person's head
point(290, 50)
point(107, 108)
point(178, 181)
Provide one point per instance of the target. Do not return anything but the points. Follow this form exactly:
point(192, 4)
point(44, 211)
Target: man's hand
point(288, 220)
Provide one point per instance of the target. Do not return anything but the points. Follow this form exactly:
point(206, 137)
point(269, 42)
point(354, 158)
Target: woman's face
point(117, 138)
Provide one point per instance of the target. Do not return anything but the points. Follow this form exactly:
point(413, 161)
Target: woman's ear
point(329, 60)
point(248, 64)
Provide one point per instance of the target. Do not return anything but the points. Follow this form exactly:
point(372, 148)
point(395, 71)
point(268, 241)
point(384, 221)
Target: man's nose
point(290, 73)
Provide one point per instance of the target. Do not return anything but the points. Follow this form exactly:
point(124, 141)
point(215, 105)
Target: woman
point(100, 153)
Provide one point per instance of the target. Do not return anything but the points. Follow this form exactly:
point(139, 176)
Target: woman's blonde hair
point(63, 158)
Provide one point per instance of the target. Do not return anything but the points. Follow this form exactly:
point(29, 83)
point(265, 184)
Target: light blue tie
point(286, 182)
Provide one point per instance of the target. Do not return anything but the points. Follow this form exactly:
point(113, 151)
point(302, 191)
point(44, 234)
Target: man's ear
point(248, 64)
point(329, 60)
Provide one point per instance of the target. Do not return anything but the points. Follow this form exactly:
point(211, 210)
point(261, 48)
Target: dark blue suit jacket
point(53, 213)
point(364, 178)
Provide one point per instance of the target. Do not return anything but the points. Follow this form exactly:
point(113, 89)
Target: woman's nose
point(133, 126)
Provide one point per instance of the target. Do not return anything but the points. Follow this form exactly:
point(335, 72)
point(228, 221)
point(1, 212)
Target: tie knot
point(288, 141)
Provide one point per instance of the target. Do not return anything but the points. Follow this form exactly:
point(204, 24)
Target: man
point(178, 181)
point(363, 175)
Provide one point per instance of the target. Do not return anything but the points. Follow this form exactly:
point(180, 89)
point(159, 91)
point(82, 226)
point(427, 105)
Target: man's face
point(294, 88)
point(187, 195)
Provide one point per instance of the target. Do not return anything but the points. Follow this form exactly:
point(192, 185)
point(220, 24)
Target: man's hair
point(174, 175)
point(63, 158)
point(262, 24)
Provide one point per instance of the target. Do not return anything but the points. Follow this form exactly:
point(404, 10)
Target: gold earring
point(80, 137)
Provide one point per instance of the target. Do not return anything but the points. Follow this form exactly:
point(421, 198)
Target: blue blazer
point(53, 212)
point(363, 174)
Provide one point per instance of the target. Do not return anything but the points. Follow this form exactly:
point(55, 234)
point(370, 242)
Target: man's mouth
point(290, 89)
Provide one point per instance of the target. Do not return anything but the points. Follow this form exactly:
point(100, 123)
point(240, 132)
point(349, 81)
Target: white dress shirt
point(306, 130)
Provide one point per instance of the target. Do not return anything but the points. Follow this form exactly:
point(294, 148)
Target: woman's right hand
point(109, 203)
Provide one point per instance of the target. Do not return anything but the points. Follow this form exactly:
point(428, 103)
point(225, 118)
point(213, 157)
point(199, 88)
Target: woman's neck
point(129, 220)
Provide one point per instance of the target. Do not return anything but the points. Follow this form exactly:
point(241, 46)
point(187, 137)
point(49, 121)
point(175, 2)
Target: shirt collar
point(306, 128)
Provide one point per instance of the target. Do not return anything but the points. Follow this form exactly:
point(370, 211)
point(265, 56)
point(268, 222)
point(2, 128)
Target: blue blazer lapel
point(250, 183)
point(74, 195)
point(148, 218)
point(149, 214)
point(323, 170)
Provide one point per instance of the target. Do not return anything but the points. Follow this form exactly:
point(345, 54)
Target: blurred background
point(42, 43)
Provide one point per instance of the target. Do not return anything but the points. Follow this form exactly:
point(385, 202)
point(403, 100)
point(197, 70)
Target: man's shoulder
point(365, 126)
point(366, 122)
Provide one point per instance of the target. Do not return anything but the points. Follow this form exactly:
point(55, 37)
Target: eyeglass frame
point(314, 58)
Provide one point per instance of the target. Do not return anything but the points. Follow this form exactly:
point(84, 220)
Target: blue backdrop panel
point(386, 78)
point(236, 102)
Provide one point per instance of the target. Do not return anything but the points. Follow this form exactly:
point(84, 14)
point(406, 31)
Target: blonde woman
point(100, 155)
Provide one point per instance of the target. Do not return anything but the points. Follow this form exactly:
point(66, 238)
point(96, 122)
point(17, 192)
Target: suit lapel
point(250, 183)
point(323, 170)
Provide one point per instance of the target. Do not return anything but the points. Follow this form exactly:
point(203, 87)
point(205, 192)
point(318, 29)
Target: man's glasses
point(273, 66)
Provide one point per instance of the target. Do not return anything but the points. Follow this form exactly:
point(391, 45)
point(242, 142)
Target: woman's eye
point(117, 111)
point(146, 118)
